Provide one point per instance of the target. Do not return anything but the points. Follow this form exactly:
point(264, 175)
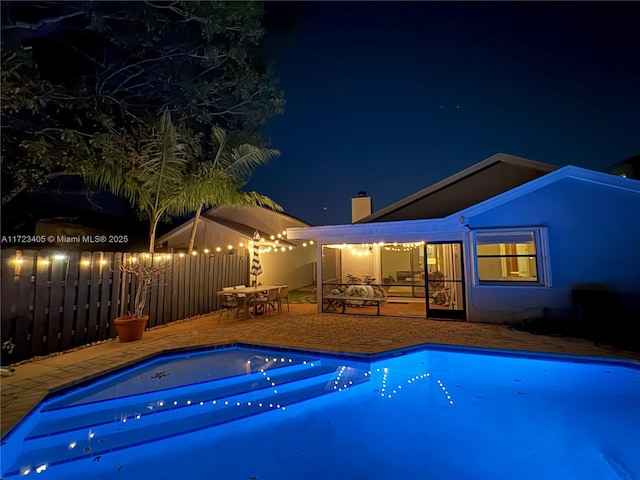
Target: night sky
point(391, 97)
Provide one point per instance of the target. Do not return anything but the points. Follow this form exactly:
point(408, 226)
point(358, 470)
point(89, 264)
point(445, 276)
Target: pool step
point(61, 419)
point(174, 371)
point(89, 440)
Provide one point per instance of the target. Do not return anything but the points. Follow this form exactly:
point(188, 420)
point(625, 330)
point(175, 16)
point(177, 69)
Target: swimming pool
point(250, 413)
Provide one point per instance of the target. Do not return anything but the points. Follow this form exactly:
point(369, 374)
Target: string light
point(386, 391)
point(275, 248)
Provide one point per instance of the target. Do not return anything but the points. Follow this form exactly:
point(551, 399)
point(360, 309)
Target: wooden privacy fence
point(53, 300)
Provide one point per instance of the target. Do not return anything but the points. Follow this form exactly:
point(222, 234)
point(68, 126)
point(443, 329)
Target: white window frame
point(542, 264)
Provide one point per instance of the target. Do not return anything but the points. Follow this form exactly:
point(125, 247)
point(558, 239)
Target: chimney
point(360, 207)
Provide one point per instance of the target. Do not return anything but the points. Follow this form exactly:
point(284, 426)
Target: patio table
point(248, 292)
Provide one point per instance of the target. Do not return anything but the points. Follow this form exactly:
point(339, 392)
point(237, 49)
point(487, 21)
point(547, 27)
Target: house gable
point(222, 226)
point(575, 178)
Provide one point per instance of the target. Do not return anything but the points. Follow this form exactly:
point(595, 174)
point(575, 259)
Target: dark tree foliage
point(77, 74)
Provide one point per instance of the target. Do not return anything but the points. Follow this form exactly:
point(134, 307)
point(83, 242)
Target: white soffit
point(406, 230)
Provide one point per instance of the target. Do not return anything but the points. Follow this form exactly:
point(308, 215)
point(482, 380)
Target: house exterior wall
point(208, 236)
point(295, 268)
point(358, 266)
point(292, 267)
point(261, 218)
point(224, 226)
point(593, 233)
point(589, 227)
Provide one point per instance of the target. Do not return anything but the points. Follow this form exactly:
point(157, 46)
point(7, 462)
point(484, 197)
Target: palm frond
point(245, 159)
point(219, 140)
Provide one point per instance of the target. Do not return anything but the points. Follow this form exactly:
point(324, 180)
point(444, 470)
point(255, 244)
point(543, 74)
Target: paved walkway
point(302, 327)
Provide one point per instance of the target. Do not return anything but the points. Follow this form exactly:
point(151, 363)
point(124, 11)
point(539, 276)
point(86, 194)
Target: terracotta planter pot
point(130, 328)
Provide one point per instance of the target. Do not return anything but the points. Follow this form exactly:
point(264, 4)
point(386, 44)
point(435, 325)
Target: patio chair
point(268, 302)
point(228, 302)
point(283, 295)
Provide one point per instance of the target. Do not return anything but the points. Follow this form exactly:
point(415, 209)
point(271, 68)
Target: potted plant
point(130, 327)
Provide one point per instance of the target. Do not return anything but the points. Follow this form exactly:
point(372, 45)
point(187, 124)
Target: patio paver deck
point(302, 328)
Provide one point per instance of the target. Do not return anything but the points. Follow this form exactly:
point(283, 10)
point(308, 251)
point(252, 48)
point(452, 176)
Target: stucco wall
point(360, 266)
point(293, 267)
point(593, 237)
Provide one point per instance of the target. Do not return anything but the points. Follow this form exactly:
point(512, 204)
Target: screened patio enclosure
point(417, 278)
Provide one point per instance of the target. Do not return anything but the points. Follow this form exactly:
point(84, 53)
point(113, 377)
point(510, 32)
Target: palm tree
point(151, 168)
point(220, 180)
point(146, 167)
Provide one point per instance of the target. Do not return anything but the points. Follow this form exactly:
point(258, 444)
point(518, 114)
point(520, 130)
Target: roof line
point(183, 226)
point(456, 177)
point(226, 224)
point(210, 209)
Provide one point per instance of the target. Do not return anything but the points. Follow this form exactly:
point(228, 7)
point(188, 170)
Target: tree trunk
point(141, 297)
point(152, 234)
point(194, 228)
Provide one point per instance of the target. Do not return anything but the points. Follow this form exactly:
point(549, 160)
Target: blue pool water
point(247, 413)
